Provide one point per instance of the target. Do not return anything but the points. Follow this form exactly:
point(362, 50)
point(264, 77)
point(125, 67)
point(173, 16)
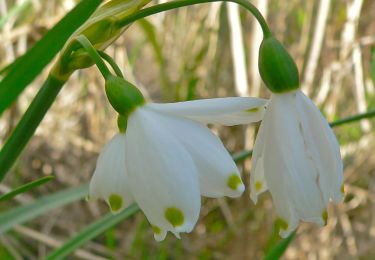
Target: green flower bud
point(123, 96)
point(277, 68)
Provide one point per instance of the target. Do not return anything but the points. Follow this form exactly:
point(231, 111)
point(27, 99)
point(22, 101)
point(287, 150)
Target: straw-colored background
point(199, 52)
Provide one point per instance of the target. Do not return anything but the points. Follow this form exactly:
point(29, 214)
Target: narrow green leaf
point(91, 232)
point(27, 212)
point(277, 251)
point(26, 187)
point(372, 65)
point(33, 62)
point(240, 156)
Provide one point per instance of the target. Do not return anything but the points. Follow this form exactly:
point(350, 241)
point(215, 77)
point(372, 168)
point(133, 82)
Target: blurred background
point(203, 51)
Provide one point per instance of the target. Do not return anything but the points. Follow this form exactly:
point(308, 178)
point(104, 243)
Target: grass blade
point(27, 212)
point(91, 232)
point(277, 251)
point(26, 187)
point(33, 62)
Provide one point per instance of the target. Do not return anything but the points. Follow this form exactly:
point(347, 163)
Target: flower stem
point(354, 118)
point(181, 3)
point(111, 62)
point(28, 123)
point(86, 44)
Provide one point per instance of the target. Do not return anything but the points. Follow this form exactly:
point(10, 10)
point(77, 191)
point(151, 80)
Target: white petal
point(323, 148)
point(162, 174)
point(217, 172)
point(290, 173)
point(110, 181)
point(258, 183)
point(225, 111)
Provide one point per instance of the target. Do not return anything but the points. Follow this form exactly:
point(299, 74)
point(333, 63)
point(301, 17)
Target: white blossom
point(297, 158)
point(168, 158)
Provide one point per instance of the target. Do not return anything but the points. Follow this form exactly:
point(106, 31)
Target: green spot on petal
point(283, 224)
point(156, 229)
point(233, 181)
point(342, 189)
point(325, 217)
point(115, 202)
point(252, 110)
point(258, 185)
point(174, 216)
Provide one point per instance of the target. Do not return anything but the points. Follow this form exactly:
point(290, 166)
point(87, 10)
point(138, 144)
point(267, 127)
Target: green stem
point(354, 118)
point(86, 44)
point(28, 124)
point(181, 3)
point(111, 62)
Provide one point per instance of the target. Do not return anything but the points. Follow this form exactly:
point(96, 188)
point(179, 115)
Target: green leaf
point(91, 232)
point(240, 156)
point(26, 187)
point(277, 251)
point(27, 212)
point(372, 65)
point(33, 62)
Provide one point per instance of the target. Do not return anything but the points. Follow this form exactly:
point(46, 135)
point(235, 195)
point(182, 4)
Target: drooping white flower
point(168, 158)
point(297, 158)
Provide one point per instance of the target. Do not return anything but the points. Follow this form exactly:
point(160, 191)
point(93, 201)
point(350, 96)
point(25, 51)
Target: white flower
point(168, 158)
point(297, 158)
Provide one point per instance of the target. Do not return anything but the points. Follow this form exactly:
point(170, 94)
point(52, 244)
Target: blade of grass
point(100, 227)
point(26, 187)
point(277, 251)
point(27, 212)
point(91, 232)
point(33, 62)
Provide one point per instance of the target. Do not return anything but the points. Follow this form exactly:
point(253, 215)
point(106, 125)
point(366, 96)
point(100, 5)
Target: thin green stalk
point(181, 3)
point(354, 118)
point(111, 62)
point(26, 187)
point(94, 55)
point(28, 124)
point(91, 232)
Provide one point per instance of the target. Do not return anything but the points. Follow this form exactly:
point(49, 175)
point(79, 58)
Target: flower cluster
point(165, 157)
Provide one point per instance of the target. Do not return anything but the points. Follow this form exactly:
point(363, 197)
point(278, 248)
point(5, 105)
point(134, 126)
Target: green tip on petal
point(258, 185)
point(253, 110)
point(174, 216)
point(233, 181)
point(325, 217)
point(282, 224)
point(156, 229)
point(115, 202)
point(342, 189)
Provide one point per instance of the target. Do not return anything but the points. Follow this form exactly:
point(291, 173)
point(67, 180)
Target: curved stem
point(181, 3)
point(91, 51)
point(111, 62)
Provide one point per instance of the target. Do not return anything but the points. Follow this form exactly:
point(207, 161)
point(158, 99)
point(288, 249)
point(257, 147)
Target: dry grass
point(195, 61)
